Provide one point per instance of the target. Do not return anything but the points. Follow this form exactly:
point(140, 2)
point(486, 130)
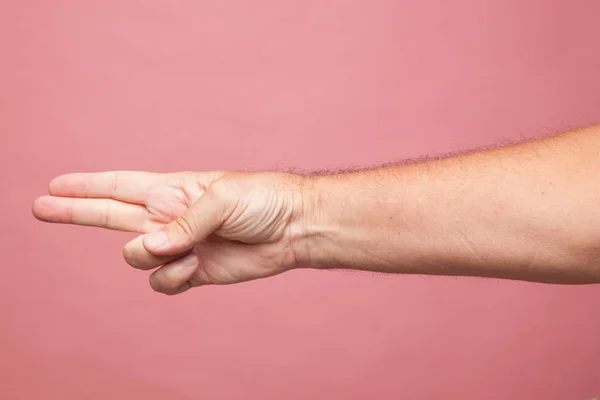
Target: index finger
point(127, 186)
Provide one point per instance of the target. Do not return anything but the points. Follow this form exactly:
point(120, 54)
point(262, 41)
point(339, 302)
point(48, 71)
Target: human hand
point(198, 228)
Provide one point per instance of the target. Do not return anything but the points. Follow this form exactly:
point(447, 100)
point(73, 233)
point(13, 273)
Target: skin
point(526, 212)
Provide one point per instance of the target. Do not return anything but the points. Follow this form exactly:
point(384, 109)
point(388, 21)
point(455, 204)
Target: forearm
point(529, 212)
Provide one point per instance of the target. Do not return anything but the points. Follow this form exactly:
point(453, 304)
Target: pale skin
point(527, 212)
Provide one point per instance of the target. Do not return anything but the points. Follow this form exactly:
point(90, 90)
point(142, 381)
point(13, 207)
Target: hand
point(198, 228)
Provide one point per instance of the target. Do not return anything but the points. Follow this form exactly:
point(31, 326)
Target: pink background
point(228, 84)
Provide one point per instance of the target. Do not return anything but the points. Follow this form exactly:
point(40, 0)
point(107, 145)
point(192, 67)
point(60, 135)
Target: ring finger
point(137, 256)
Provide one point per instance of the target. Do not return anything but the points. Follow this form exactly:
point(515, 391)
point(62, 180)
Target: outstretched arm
point(529, 212)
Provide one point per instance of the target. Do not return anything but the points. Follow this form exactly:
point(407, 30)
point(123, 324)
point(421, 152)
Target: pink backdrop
point(228, 84)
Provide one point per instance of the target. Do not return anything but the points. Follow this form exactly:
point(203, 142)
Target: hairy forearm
point(529, 211)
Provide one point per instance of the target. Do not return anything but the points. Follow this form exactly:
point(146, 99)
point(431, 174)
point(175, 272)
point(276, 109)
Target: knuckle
point(221, 188)
point(105, 215)
point(162, 284)
point(128, 256)
point(185, 226)
point(112, 188)
point(132, 258)
point(152, 282)
point(155, 283)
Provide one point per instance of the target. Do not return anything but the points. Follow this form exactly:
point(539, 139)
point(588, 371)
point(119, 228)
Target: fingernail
point(156, 240)
point(189, 261)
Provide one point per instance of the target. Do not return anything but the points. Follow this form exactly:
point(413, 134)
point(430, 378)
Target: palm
point(252, 243)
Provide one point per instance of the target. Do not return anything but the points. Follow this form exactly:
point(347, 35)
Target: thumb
point(198, 222)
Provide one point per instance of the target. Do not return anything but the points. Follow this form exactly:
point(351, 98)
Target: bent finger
point(137, 256)
point(173, 278)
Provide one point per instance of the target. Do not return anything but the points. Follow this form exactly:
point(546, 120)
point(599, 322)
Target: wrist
point(348, 221)
point(302, 226)
point(313, 233)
